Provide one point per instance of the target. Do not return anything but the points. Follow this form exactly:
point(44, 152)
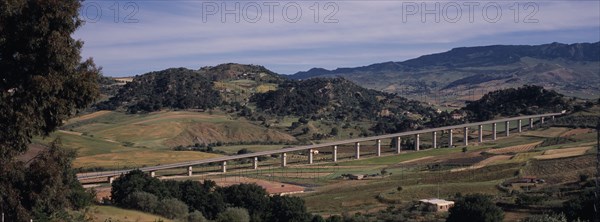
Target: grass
point(116, 140)
point(109, 213)
point(233, 149)
point(138, 159)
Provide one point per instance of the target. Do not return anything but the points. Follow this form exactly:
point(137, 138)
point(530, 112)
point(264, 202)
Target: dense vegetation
point(526, 100)
point(43, 81)
point(335, 99)
point(475, 207)
point(138, 190)
point(177, 88)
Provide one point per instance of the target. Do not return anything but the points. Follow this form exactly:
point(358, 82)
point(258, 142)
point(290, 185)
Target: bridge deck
point(300, 148)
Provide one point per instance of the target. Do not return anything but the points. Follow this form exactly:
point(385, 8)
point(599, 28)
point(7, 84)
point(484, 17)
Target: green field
point(113, 140)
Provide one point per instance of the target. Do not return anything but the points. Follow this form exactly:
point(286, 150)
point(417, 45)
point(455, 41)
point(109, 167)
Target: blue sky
point(134, 37)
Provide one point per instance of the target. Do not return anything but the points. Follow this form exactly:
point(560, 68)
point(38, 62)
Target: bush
point(172, 208)
point(289, 209)
point(475, 207)
point(581, 207)
point(546, 218)
point(141, 201)
point(234, 214)
point(196, 216)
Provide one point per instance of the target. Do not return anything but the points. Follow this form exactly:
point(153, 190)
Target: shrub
point(141, 201)
point(475, 207)
point(172, 208)
point(234, 214)
point(196, 216)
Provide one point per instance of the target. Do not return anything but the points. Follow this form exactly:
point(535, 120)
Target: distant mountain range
point(468, 72)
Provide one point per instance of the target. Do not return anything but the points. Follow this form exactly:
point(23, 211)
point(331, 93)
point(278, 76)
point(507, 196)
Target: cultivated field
point(562, 153)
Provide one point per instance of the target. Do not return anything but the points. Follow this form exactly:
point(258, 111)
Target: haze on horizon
point(135, 37)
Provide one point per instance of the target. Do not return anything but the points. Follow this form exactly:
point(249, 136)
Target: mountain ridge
point(569, 68)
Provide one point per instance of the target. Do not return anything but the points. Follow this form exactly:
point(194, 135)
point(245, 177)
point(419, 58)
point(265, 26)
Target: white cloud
point(174, 34)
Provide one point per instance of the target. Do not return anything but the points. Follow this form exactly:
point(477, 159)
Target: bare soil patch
point(515, 149)
point(562, 153)
point(575, 132)
point(90, 116)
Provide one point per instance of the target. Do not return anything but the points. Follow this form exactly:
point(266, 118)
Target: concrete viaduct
point(111, 175)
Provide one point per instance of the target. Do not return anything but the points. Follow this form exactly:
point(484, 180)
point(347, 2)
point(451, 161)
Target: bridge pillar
point(152, 173)
point(530, 123)
point(310, 156)
point(507, 128)
point(480, 130)
point(255, 163)
point(434, 139)
point(542, 120)
point(190, 171)
point(283, 159)
point(466, 136)
point(378, 147)
point(520, 127)
point(417, 142)
point(334, 153)
point(111, 179)
point(357, 151)
point(493, 131)
point(224, 167)
point(450, 142)
point(398, 145)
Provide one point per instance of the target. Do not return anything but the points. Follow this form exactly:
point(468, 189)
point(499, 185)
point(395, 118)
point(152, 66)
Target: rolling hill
point(462, 72)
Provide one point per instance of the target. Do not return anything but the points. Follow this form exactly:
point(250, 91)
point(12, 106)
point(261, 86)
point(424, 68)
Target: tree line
point(186, 200)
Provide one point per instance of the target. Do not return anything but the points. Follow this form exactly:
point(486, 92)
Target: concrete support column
point(398, 145)
point(434, 139)
point(493, 131)
point(378, 147)
point(507, 128)
point(542, 120)
point(520, 126)
point(152, 173)
point(310, 156)
point(190, 171)
point(255, 163)
point(480, 130)
point(334, 152)
point(111, 179)
point(466, 136)
point(417, 142)
point(450, 139)
point(530, 123)
point(283, 159)
point(224, 167)
point(357, 150)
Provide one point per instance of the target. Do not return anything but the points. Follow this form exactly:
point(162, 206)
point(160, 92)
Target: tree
point(172, 208)
point(581, 207)
point(252, 197)
point(289, 209)
point(135, 181)
point(475, 207)
point(42, 78)
point(42, 82)
point(142, 201)
point(234, 214)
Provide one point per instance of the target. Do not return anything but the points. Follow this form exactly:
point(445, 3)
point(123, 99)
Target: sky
point(128, 38)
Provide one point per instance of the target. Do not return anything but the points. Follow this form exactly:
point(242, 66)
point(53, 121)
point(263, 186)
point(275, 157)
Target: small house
point(439, 204)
